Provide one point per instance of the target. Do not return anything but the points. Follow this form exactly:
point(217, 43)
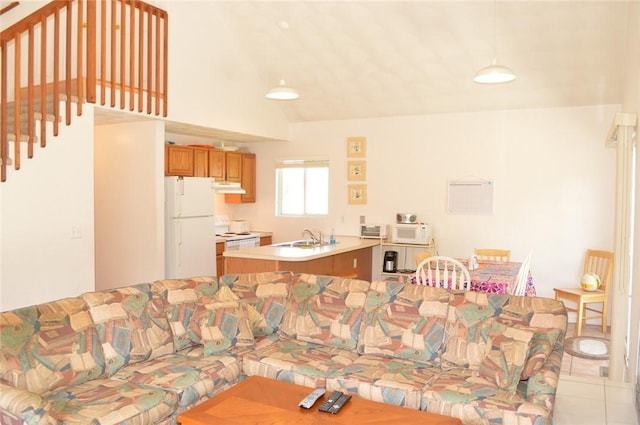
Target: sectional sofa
point(143, 354)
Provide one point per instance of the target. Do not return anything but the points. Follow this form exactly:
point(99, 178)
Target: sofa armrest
point(19, 406)
point(541, 387)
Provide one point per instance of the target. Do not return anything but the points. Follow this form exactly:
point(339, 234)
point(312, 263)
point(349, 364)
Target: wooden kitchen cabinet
point(266, 240)
point(178, 160)
point(219, 259)
point(356, 262)
point(217, 164)
point(247, 178)
point(233, 167)
point(201, 162)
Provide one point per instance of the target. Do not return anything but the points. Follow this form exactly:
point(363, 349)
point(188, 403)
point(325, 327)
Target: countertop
point(286, 253)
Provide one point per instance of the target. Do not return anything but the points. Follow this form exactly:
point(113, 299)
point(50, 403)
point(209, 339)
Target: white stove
point(234, 241)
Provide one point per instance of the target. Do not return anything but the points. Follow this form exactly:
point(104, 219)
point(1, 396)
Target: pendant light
point(282, 92)
point(494, 73)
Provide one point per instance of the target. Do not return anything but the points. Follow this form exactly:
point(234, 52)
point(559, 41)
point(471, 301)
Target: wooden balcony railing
point(71, 50)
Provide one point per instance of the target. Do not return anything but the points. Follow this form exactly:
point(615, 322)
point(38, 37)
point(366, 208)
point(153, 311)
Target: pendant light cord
point(493, 12)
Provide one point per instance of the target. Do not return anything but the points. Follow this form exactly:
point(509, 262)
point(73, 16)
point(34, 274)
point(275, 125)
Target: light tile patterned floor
point(585, 397)
point(593, 401)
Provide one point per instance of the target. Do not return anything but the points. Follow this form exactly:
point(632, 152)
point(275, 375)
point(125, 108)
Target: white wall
point(554, 181)
point(211, 82)
point(42, 204)
point(129, 191)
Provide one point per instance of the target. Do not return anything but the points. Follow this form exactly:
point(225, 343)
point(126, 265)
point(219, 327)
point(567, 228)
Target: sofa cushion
point(265, 295)
point(388, 380)
point(110, 401)
point(131, 324)
point(221, 324)
point(463, 394)
point(193, 380)
point(298, 362)
point(547, 316)
point(180, 297)
point(469, 318)
point(540, 347)
point(325, 310)
point(507, 351)
point(49, 345)
point(404, 321)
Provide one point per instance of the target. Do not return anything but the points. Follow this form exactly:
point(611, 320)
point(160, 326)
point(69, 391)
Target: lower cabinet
point(219, 258)
point(353, 263)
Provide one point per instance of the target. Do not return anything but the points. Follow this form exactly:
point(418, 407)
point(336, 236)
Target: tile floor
point(585, 397)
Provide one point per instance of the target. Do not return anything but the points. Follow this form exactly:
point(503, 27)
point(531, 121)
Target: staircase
point(76, 51)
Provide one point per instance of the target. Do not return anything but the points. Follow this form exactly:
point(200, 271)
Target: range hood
point(228, 187)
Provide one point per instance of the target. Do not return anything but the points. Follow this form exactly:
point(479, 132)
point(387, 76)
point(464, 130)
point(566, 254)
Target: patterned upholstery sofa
point(145, 353)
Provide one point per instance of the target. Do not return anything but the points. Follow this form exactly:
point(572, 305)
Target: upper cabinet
point(191, 161)
point(234, 167)
point(247, 172)
point(201, 162)
point(217, 164)
point(178, 160)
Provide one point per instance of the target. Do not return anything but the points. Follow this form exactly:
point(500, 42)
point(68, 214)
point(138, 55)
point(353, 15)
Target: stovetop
point(236, 236)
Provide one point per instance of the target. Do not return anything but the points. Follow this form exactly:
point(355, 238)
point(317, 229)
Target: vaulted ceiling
point(355, 59)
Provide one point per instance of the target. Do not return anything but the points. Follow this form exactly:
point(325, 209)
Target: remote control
point(324, 407)
point(310, 400)
point(339, 403)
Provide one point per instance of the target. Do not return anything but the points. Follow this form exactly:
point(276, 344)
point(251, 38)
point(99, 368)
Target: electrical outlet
point(362, 219)
point(355, 263)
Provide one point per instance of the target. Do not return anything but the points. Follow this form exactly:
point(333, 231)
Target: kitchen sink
point(302, 243)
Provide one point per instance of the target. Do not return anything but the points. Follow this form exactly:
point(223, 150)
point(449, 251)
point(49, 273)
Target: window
point(302, 187)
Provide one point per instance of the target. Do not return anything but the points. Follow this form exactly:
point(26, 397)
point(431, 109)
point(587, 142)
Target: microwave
point(373, 231)
point(413, 233)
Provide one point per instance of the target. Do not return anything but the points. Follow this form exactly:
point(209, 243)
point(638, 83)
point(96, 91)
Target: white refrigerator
point(190, 241)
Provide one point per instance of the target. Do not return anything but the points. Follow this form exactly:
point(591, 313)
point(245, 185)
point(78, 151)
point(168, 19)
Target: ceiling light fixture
point(282, 92)
point(494, 73)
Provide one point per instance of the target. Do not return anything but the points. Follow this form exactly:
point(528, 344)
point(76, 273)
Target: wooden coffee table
point(263, 401)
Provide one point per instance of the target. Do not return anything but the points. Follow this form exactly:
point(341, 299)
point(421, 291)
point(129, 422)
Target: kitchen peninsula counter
point(350, 256)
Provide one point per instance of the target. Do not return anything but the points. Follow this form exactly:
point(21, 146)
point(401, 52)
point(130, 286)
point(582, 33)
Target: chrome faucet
point(317, 239)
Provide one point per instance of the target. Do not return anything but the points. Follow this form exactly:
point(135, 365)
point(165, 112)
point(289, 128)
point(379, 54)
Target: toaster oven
point(373, 231)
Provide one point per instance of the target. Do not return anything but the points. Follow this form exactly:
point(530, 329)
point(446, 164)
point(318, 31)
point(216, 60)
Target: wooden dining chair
point(445, 272)
point(490, 254)
point(520, 285)
point(600, 263)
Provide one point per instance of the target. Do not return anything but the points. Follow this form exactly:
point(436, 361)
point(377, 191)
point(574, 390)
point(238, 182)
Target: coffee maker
point(390, 263)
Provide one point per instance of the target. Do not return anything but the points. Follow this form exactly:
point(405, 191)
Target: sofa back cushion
point(221, 324)
point(181, 298)
point(506, 354)
point(404, 321)
point(325, 310)
point(265, 296)
point(49, 345)
point(480, 325)
point(548, 318)
point(468, 321)
point(131, 324)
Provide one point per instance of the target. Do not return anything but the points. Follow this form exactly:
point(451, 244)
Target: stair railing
point(69, 50)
